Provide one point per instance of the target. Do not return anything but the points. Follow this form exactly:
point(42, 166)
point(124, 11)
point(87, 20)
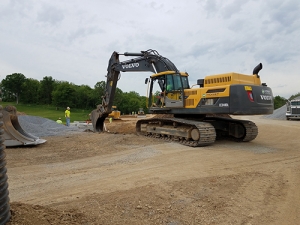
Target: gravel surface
point(123, 178)
point(42, 127)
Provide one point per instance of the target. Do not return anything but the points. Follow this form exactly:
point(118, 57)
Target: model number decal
point(131, 65)
point(223, 105)
point(212, 94)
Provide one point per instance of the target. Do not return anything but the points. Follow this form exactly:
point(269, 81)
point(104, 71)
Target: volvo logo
point(266, 97)
point(131, 65)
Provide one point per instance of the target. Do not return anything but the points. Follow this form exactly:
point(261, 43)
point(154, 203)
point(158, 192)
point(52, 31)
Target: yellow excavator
point(115, 113)
point(191, 115)
point(141, 113)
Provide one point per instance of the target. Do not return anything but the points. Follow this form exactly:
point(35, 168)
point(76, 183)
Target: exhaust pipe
point(257, 69)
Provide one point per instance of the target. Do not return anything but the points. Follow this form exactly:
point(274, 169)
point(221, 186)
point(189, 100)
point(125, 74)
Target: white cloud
point(73, 40)
point(50, 14)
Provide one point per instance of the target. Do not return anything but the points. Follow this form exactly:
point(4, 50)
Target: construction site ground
point(118, 177)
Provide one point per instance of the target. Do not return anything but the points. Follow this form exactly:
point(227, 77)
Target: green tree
point(279, 101)
point(294, 96)
point(30, 89)
point(143, 103)
point(99, 90)
point(64, 94)
point(13, 85)
point(45, 91)
point(84, 97)
point(131, 102)
point(119, 96)
point(6, 96)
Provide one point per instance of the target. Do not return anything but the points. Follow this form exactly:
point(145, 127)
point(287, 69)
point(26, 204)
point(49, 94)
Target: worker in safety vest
point(68, 115)
point(59, 121)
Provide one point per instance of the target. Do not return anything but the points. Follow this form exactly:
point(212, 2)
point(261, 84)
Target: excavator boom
point(148, 60)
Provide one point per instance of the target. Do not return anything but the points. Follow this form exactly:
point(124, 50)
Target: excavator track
point(186, 132)
point(234, 129)
point(251, 131)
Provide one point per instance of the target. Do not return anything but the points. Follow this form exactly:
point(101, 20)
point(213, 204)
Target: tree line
point(16, 87)
point(280, 101)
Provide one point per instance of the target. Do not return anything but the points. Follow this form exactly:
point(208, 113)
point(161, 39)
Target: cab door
point(174, 94)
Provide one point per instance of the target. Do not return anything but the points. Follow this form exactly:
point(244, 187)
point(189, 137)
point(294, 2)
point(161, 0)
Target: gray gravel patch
point(278, 114)
point(42, 127)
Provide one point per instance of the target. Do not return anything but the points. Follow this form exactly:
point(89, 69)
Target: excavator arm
point(145, 61)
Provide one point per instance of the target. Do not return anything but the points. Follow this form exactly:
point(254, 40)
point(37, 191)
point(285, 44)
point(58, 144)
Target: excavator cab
point(166, 89)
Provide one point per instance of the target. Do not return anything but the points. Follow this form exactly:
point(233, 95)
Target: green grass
point(49, 112)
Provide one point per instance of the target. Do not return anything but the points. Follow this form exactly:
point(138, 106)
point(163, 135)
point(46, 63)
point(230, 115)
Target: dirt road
point(122, 178)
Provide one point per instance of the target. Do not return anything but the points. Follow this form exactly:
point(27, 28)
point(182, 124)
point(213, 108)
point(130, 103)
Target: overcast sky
point(72, 40)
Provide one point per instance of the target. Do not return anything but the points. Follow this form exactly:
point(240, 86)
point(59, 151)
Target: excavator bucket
point(14, 134)
point(98, 118)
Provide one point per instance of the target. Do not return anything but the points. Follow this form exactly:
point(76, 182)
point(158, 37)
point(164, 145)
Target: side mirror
point(200, 82)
